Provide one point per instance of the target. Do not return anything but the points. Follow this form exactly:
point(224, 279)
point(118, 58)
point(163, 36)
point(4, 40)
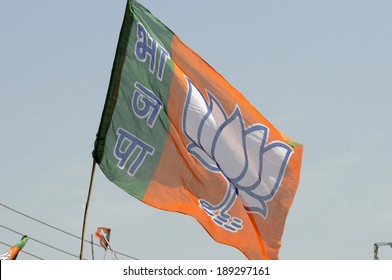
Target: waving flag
point(177, 136)
point(103, 234)
point(12, 253)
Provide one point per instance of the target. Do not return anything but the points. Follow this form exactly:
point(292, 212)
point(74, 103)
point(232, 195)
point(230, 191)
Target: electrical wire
point(61, 230)
point(40, 242)
point(38, 221)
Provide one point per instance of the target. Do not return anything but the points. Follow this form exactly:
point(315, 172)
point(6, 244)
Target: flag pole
point(114, 256)
point(86, 208)
point(92, 247)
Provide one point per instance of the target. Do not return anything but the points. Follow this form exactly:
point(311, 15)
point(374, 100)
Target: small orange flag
point(103, 234)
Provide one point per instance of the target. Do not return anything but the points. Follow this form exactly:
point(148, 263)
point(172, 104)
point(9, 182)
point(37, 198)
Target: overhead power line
point(40, 242)
point(58, 229)
point(38, 221)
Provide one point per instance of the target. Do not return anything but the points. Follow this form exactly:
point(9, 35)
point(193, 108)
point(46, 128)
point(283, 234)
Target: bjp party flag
point(177, 136)
point(13, 252)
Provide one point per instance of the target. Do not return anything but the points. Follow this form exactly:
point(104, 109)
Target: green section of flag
point(293, 144)
point(134, 124)
point(22, 242)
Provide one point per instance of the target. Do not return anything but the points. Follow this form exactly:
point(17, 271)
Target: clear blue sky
point(320, 71)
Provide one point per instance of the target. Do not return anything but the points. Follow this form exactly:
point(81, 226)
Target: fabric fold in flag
point(177, 136)
point(13, 252)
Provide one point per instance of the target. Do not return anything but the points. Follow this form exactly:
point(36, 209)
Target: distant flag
point(13, 252)
point(103, 234)
point(177, 136)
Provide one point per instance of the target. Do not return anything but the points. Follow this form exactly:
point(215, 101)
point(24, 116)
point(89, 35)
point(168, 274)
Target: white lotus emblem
point(253, 167)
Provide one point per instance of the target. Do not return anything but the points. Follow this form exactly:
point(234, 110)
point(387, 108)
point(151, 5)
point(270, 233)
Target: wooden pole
point(86, 208)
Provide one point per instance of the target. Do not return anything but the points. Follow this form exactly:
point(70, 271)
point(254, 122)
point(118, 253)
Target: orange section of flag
point(259, 237)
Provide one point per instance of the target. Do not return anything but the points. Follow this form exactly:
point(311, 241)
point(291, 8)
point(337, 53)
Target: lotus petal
point(228, 148)
point(255, 139)
point(211, 123)
point(196, 108)
point(275, 157)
